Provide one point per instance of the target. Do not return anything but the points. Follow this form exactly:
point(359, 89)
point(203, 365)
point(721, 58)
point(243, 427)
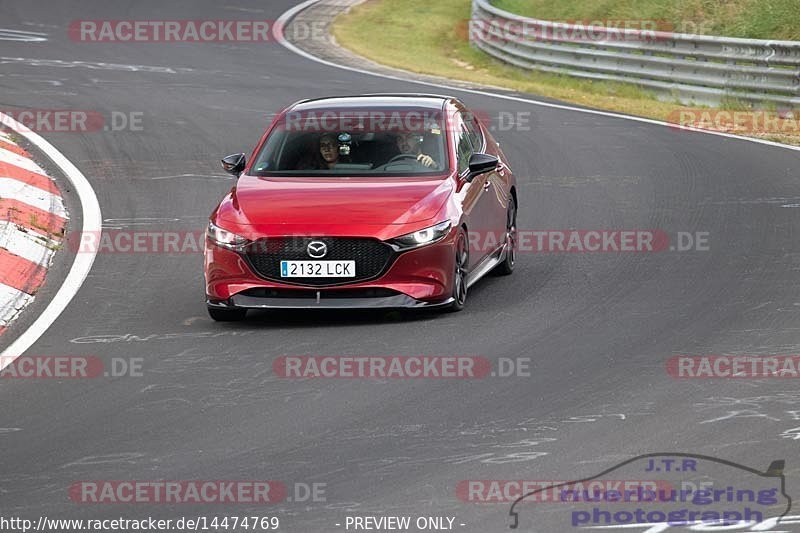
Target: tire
point(506, 268)
point(226, 315)
point(460, 274)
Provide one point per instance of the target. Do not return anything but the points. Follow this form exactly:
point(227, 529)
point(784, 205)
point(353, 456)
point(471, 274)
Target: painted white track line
point(92, 224)
point(286, 17)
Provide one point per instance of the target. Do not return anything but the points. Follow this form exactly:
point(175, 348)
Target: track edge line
point(92, 224)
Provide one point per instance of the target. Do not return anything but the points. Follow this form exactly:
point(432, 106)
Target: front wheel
point(461, 272)
point(506, 268)
point(226, 315)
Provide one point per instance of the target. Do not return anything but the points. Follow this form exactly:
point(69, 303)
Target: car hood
point(303, 201)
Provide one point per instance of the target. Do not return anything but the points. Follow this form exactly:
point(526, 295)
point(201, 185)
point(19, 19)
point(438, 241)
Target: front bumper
point(418, 278)
point(327, 301)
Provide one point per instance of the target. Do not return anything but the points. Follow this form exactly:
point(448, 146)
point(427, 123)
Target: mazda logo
point(317, 249)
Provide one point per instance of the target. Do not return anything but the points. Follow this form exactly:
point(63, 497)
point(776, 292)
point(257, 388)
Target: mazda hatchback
point(375, 201)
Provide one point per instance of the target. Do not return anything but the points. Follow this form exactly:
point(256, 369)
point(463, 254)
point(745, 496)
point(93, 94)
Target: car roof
point(427, 101)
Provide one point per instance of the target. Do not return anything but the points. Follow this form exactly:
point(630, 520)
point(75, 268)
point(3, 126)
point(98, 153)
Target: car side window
point(464, 146)
point(475, 134)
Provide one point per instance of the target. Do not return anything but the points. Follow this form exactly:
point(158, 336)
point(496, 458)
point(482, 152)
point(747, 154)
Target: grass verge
point(750, 19)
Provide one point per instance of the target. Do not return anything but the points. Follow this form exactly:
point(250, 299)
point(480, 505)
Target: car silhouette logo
point(317, 249)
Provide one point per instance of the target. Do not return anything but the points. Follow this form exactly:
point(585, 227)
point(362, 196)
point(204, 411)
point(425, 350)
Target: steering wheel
point(400, 157)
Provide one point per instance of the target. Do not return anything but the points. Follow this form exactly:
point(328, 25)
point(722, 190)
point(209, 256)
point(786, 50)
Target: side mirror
point(234, 164)
point(481, 164)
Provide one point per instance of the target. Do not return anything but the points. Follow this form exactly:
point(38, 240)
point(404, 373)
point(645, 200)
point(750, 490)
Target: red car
point(375, 201)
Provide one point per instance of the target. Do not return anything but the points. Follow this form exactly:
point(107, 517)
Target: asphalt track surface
point(597, 327)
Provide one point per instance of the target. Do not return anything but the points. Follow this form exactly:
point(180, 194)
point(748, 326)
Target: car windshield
point(409, 142)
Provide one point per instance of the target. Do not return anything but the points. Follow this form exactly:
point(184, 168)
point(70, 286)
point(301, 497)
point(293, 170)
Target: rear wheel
point(460, 274)
point(226, 315)
point(507, 266)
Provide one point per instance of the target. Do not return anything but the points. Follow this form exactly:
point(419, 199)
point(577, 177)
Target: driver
point(411, 143)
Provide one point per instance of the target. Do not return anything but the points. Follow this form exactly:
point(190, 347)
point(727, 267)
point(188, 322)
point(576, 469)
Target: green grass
point(432, 38)
point(753, 19)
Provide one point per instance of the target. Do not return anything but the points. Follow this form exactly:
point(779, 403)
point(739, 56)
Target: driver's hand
point(426, 160)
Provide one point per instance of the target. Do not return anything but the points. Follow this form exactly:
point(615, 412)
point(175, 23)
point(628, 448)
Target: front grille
point(372, 257)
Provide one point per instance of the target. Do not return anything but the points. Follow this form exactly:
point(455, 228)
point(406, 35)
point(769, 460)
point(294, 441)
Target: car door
point(475, 204)
point(495, 184)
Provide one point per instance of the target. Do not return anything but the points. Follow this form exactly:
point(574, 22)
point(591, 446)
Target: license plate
point(318, 269)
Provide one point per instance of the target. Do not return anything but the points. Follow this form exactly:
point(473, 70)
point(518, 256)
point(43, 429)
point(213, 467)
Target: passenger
point(325, 157)
point(329, 150)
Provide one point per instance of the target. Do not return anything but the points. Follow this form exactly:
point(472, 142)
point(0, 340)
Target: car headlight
point(422, 237)
point(225, 238)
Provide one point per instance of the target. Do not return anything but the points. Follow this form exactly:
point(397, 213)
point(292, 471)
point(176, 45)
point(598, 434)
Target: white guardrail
point(692, 68)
